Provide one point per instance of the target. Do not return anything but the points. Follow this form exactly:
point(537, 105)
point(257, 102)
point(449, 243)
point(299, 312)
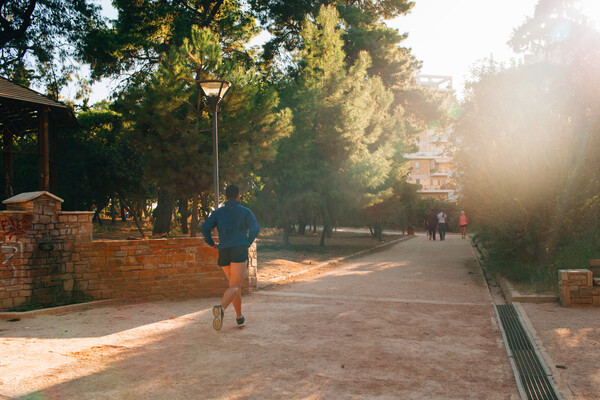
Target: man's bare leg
point(236, 275)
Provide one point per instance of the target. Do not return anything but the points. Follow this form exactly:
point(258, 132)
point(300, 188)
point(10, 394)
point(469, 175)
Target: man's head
point(232, 192)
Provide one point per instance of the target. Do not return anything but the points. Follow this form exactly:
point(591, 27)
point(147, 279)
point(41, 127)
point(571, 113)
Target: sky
point(448, 36)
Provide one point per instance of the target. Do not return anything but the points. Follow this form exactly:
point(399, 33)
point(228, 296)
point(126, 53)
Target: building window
point(418, 181)
point(418, 166)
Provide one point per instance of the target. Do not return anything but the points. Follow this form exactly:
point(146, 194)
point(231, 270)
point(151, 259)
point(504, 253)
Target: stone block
point(564, 296)
point(19, 301)
point(68, 285)
point(581, 300)
point(97, 261)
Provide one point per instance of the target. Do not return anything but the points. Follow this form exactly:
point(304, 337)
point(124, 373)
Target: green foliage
point(97, 162)
point(339, 156)
point(285, 18)
point(147, 29)
point(38, 39)
point(528, 146)
point(171, 124)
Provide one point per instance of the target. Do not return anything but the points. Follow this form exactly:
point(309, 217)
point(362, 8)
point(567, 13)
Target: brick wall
point(578, 287)
point(151, 269)
point(54, 261)
point(37, 244)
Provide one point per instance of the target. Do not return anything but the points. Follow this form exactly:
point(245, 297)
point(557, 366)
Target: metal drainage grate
point(534, 380)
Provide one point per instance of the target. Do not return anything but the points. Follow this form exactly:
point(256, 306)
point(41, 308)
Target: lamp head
point(214, 90)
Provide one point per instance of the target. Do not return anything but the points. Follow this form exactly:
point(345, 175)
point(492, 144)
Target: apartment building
point(431, 166)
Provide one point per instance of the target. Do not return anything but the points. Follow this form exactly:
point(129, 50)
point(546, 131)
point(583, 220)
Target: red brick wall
point(78, 268)
point(149, 269)
point(35, 276)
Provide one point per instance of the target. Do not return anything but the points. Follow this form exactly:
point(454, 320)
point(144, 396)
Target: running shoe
point(241, 321)
point(219, 313)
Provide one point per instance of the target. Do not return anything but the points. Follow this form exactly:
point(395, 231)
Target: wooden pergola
point(29, 123)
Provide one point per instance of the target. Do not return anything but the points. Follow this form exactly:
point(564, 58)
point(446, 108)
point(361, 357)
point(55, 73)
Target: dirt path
point(571, 339)
point(411, 322)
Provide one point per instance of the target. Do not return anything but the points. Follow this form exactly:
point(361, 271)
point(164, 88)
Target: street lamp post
point(215, 91)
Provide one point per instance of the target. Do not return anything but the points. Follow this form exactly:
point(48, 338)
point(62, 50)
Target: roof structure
point(9, 90)
point(29, 125)
point(19, 107)
point(29, 196)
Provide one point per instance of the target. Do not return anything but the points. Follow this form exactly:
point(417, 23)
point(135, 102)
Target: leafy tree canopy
point(346, 131)
point(40, 38)
point(146, 29)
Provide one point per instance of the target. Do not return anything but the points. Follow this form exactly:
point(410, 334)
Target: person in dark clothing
point(432, 222)
point(237, 227)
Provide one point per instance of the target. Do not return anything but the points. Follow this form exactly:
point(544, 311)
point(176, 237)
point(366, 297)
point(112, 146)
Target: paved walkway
point(414, 321)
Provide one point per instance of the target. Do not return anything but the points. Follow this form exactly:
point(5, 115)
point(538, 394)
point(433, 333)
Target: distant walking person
point(431, 224)
point(237, 228)
point(442, 218)
point(463, 222)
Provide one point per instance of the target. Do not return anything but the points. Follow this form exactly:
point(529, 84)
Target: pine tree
point(338, 157)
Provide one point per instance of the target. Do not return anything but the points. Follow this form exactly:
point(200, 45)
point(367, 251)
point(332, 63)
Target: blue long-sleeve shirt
point(236, 224)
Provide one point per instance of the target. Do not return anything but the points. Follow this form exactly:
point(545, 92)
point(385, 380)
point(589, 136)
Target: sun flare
point(591, 8)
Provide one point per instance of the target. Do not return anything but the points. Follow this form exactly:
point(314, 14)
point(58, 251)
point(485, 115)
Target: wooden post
point(44, 147)
point(9, 165)
point(53, 161)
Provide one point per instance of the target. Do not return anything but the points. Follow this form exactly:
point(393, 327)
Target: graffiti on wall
point(12, 226)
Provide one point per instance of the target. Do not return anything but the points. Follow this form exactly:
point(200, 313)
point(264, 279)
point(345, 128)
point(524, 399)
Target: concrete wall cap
point(29, 196)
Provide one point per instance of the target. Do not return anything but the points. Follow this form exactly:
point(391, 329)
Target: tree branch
point(212, 14)
point(8, 33)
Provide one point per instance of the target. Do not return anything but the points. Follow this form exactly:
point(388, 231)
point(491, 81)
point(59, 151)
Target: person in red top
point(462, 221)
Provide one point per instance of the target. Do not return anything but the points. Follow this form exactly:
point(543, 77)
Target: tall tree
point(146, 29)
point(98, 162)
point(527, 141)
point(338, 157)
point(40, 38)
point(285, 18)
point(172, 125)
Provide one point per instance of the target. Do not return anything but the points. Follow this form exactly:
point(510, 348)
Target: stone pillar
point(252, 268)
point(576, 287)
point(41, 241)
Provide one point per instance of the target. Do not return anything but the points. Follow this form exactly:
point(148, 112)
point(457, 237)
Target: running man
point(237, 228)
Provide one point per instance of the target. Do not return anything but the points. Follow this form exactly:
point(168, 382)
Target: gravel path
point(414, 321)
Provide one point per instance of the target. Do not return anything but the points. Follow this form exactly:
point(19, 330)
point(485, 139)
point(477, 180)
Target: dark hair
point(232, 192)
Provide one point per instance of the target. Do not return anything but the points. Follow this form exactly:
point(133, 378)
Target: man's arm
point(252, 225)
point(207, 227)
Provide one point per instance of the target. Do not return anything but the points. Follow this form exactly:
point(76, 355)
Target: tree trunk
point(123, 215)
point(324, 234)
point(183, 212)
point(286, 235)
point(96, 216)
point(373, 233)
point(113, 212)
point(194, 227)
point(131, 210)
point(163, 212)
point(301, 225)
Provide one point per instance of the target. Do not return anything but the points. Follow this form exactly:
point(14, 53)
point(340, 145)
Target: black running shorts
point(237, 254)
